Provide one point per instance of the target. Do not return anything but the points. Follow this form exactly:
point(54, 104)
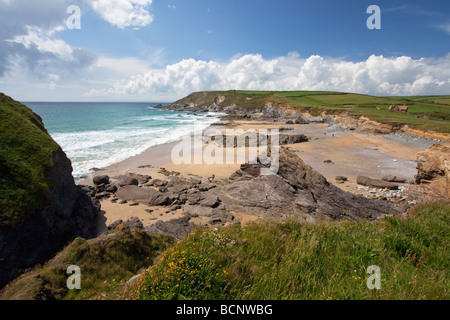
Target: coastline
point(351, 154)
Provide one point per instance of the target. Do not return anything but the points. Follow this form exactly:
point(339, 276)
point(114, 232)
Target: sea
point(95, 135)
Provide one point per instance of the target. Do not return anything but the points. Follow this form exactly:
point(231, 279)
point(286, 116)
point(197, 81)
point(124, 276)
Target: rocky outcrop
point(433, 162)
point(433, 173)
point(36, 225)
point(296, 189)
point(68, 213)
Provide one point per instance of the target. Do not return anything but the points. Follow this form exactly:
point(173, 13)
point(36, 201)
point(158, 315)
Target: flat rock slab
point(375, 183)
point(150, 196)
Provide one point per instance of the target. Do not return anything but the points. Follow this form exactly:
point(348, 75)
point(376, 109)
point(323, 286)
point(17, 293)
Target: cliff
point(41, 208)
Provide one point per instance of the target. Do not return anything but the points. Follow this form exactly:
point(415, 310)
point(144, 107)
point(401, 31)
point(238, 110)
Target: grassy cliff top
point(26, 152)
point(294, 260)
point(427, 113)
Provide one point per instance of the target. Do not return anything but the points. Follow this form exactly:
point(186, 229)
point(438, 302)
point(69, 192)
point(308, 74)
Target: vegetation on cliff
point(26, 152)
point(427, 113)
point(295, 260)
point(106, 264)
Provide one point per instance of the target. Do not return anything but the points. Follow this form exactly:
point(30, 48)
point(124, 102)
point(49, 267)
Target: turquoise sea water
point(95, 135)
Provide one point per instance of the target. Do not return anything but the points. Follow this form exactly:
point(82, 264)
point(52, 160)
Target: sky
point(162, 50)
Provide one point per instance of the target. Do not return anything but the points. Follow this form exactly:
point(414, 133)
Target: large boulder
point(101, 180)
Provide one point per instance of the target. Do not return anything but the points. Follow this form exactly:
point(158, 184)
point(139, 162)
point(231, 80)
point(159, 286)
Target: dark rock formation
point(151, 197)
point(297, 187)
point(99, 180)
point(128, 181)
point(292, 138)
point(68, 213)
point(177, 228)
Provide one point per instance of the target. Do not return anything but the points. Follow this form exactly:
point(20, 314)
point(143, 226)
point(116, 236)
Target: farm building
point(398, 108)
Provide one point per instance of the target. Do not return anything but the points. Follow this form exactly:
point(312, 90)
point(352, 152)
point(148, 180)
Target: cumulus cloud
point(377, 75)
point(124, 13)
point(30, 43)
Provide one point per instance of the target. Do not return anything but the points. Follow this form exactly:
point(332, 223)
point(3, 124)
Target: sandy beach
point(331, 153)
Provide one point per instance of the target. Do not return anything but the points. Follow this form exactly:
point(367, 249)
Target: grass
point(426, 113)
point(294, 260)
point(106, 264)
point(26, 152)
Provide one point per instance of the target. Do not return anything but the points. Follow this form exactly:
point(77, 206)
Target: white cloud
point(124, 13)
point(171, 6)
point(377, 75)
point(445, 27)
point(43, 41)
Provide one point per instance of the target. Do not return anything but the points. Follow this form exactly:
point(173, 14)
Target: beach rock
point(210, 201)
point(133, 193)
point(317, 196)
point(194, 199)
point(134, 223)
point(156, 198)
point(292, 138)
point(101, 180)
point(177, 228)
point(376, 183)
point(301, 120)
point(128, 181)
point(312, 119)
point(167, 173)
point(392, 178)
point(159, 183)
point(111, 188)
point(262, 191)
point(341, 178)
point(102, 195)
point(114, 224)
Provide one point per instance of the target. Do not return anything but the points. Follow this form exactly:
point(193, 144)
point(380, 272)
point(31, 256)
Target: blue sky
point(161, 50)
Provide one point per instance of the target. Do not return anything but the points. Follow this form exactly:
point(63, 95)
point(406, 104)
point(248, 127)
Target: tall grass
point(295, 260)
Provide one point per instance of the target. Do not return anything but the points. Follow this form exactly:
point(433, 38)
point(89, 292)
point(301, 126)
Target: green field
point(426, 113)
